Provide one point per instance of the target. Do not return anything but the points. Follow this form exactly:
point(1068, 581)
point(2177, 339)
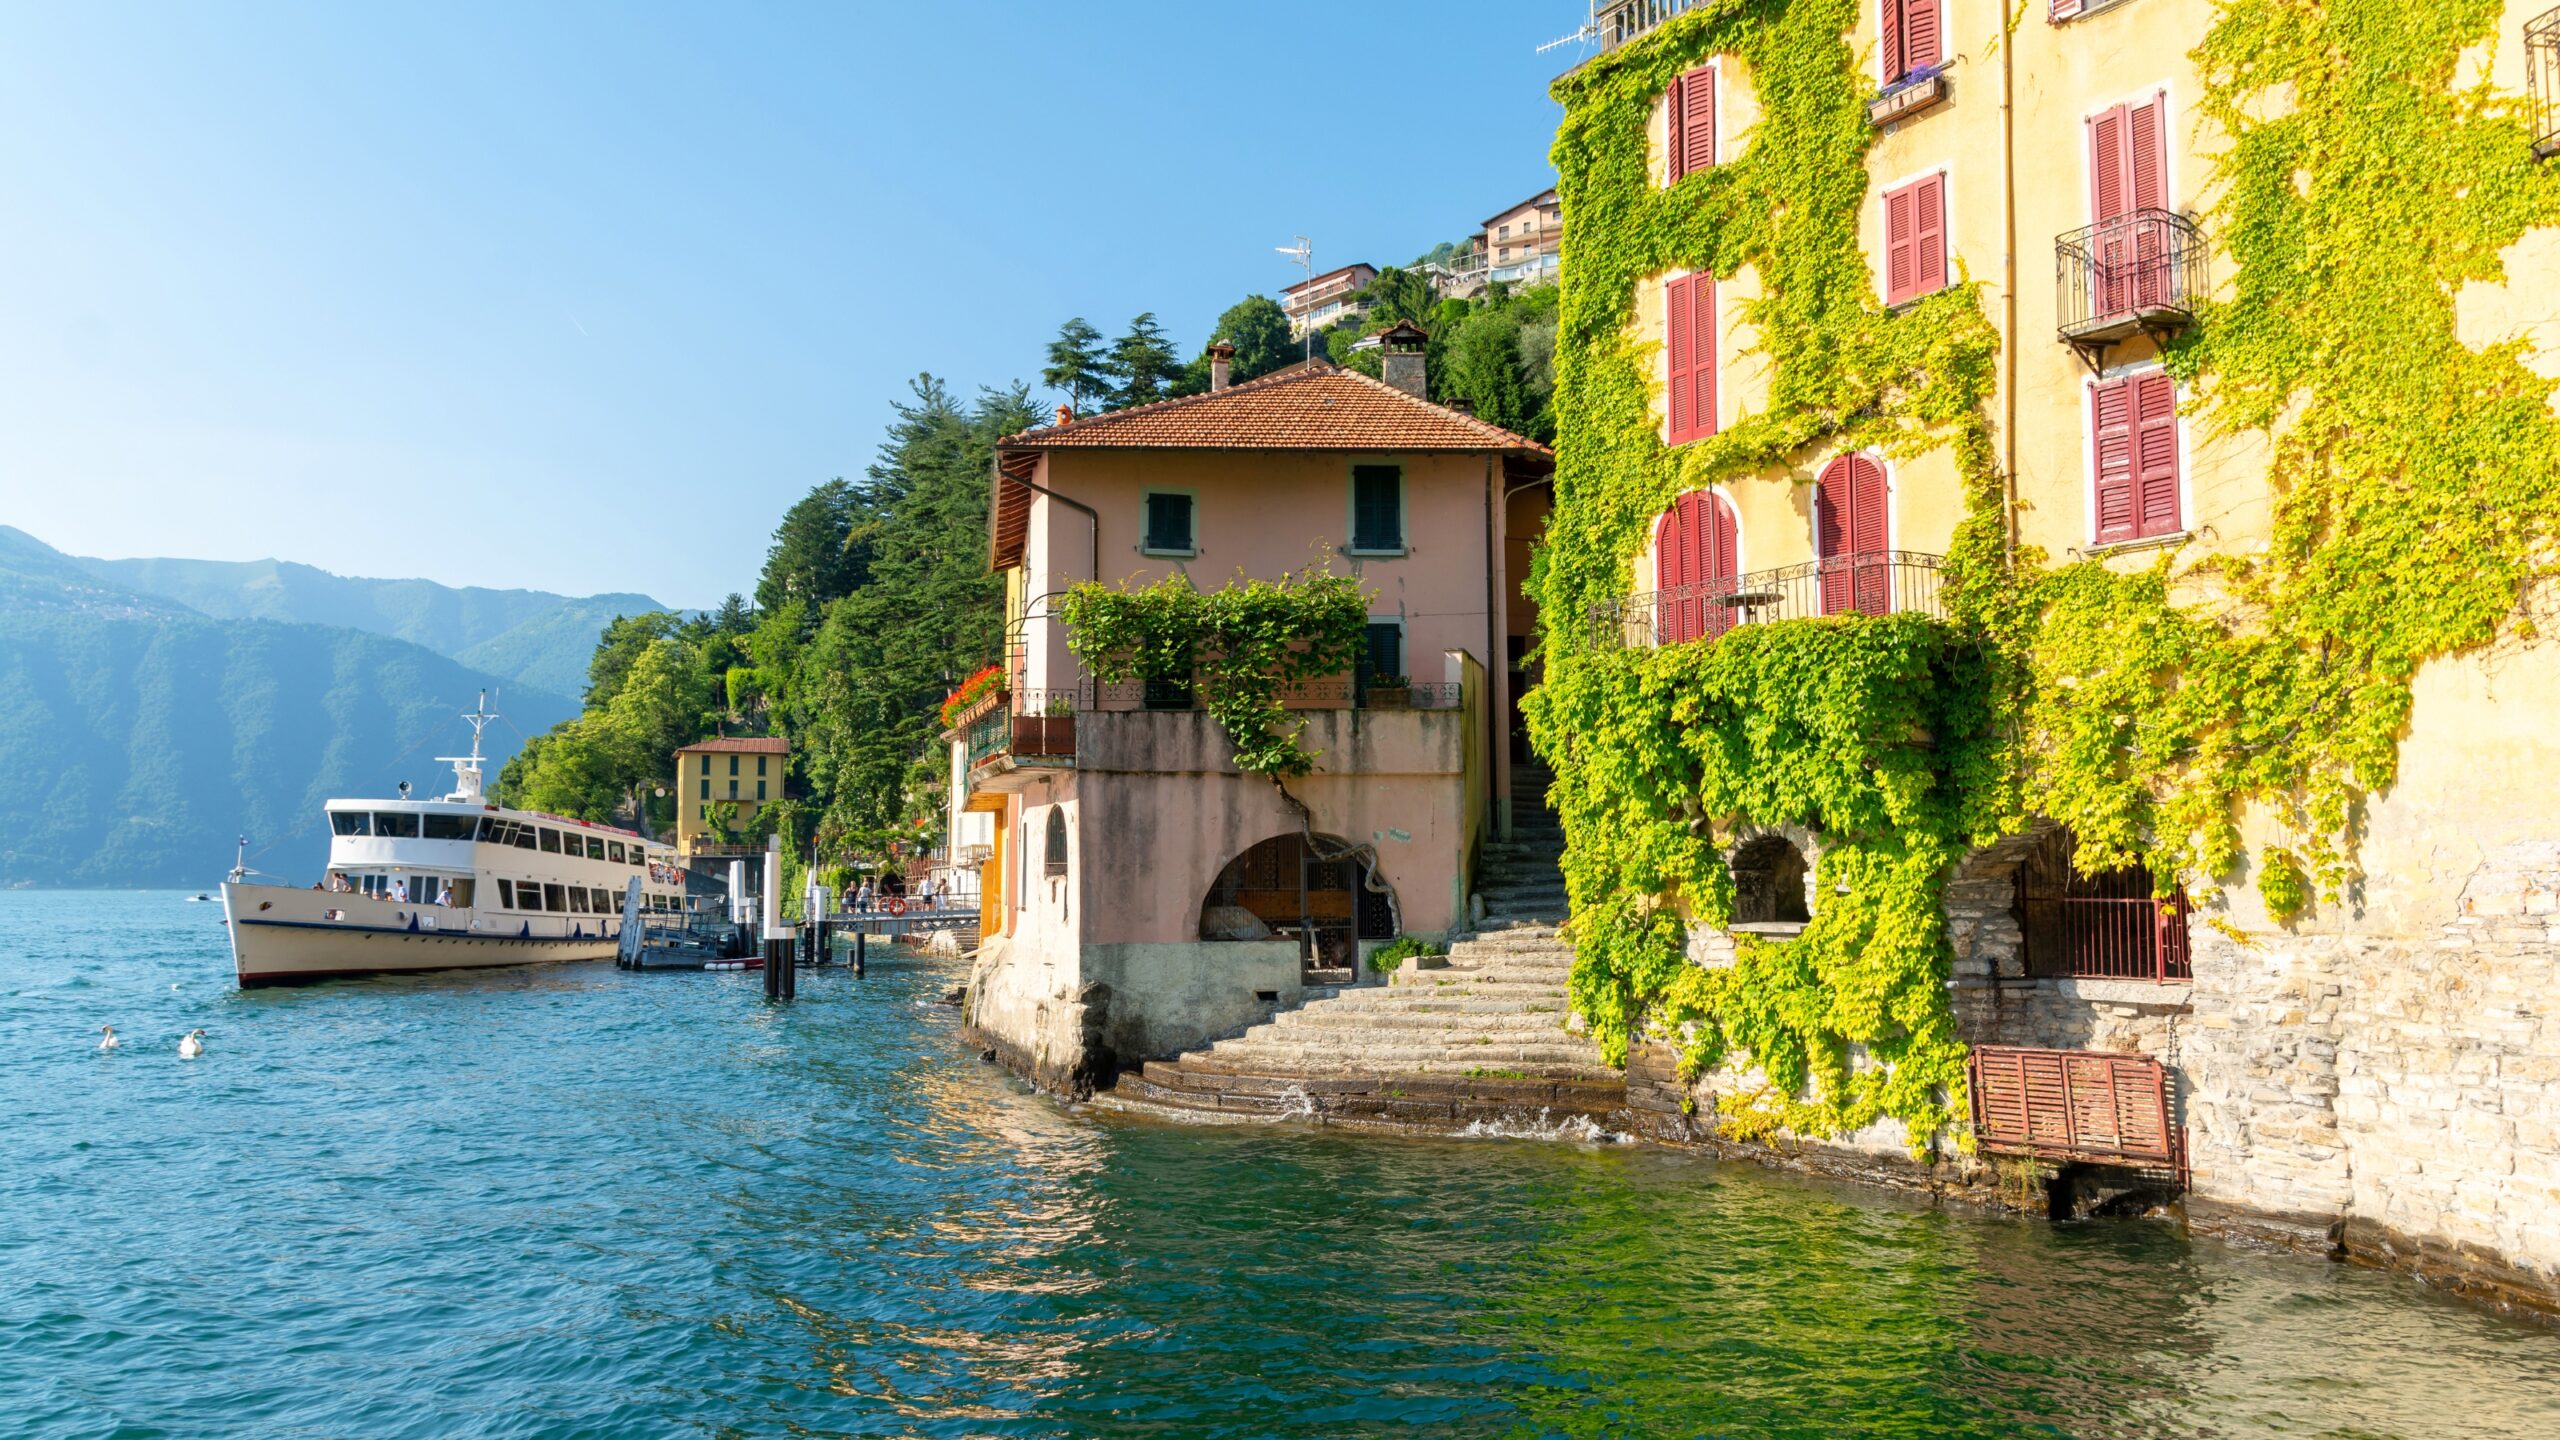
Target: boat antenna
point(466, 768)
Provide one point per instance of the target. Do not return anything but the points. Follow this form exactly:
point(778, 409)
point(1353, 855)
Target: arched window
point(1057, 857)
point(1768, 883)
point(1849, 534)
point(1696, 551)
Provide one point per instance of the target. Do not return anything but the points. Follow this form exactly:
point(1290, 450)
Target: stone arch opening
point(1770, 883)
point(1054, 859)
point(1328, 896)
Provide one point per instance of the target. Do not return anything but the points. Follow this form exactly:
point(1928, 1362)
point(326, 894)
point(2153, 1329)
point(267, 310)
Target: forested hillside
point(528, 636)
point(142, 737)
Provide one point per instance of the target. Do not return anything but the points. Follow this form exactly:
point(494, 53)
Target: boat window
point(350, 822)
point(613, 851)
point(550, 842)
point(394, 824)
point(528, 895)
point(450, 827)
point(595, 847)
point(462, 894)
point(554, 899)
point(506, 895)
point(522, 835)
point(578, 899)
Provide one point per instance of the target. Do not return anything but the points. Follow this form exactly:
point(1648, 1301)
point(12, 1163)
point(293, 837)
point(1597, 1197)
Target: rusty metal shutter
point(2074, 1105)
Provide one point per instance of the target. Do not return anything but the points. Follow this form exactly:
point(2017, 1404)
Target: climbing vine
point(1239, 647)
point(1881, 734)
point(2416, 488)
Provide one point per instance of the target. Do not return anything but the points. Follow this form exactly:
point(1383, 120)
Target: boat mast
point(466, 768)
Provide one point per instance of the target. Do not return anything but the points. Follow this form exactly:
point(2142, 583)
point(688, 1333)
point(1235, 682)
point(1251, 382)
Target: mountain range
point(153, 710)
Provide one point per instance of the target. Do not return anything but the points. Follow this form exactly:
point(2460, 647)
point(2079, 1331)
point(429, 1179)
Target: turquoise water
point(574, 1202)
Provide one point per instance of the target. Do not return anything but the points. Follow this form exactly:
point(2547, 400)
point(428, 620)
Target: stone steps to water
point(1486, 1034)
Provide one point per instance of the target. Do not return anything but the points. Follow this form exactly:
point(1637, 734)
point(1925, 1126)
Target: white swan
point(192, 1046)
point(111, 1041)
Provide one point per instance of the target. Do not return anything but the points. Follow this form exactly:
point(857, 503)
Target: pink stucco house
point(1141, 895)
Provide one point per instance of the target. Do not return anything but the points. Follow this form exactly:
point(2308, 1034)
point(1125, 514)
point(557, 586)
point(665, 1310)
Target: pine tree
point(1142, 364)
point(1077, 364)
point(812, 558)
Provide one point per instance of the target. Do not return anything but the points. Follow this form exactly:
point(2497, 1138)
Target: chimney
point(1222, 360)
point(1402, 364)
point(1065, 414)
point(1462, 404)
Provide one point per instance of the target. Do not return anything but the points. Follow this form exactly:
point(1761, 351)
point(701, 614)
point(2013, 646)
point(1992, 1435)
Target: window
point(1693, 122)
point(1377, 508)
point(550, 842)
point(462, 894)
point(1697, 551)
point(506, 895)
point(1911, 40)
point(1850, 536)
point(760, 764)
point(706, 764)
point(595, 847)
point(451, 827)
point(1169, 524)
point(523, 833)
point(1056, 860)
point(1382, 652)
point(2135, 443)
point(613, 852)
point(733, 789)
point(1915, 239)
point(395, 825)
point(555, 899)
point(1690, 323)
point(577, 899)
point(733, 764)
point(759, 790)
point(350, 822)
point(1502, 234)
point(706, 789)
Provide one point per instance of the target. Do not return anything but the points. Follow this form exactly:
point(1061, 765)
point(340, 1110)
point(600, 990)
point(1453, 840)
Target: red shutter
point(1920, 46)
point(1691, 305)
point(1695, 553)
point(1693, 122)
point(1929, 235)
point(2112, 416)
point(2109, 197)
point(1849, 521)
point(1898, 230)
point(2146, 128)
point(1890, 13)
point(2155, 454)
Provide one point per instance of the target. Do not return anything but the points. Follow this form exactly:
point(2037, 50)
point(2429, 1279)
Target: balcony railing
point(2542, 81)
point(2142, 272)
point(1873, 582)
point(1622, 22)
point(1025, 728)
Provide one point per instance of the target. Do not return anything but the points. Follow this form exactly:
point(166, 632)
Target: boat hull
point(281, 936)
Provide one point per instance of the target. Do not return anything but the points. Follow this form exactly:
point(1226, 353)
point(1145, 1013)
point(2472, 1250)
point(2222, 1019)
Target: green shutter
point(1169, 522)
point(1377, 507)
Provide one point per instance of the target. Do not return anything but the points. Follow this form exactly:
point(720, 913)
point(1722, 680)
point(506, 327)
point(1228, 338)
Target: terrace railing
point(1870, 582)
point(1621, 22)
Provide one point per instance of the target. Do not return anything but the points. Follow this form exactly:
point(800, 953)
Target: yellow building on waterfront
point(721, 786)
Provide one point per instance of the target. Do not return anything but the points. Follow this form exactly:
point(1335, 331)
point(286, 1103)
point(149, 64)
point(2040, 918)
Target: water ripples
point(571, 1201)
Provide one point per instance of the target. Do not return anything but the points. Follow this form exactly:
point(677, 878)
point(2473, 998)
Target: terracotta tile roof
point(740, 745)
point(1317, 405)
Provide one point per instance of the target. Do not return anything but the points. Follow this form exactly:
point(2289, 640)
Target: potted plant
point(1389, 692)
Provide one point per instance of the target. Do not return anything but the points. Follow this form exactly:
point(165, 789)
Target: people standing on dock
point(862, 898)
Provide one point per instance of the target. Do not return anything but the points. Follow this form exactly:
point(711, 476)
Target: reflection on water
point(572, 1201)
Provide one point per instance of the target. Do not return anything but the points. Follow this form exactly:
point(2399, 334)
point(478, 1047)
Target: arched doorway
point(1326, 896)
point(1851, 536)
point(1697, 549)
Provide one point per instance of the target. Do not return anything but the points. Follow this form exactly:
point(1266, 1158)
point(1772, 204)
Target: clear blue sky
point(581, 296)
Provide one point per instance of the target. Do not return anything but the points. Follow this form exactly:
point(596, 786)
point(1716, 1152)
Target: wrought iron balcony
point(2142, 273)
point(1872, 582)
point(2542, 81)
point(1022, 729)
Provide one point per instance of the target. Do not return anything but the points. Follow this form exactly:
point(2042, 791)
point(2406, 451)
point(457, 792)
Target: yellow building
point(721, 785)
point(2299, 382)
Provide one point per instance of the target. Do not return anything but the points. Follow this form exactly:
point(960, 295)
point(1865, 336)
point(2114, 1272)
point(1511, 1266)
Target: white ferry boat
point(450, 884)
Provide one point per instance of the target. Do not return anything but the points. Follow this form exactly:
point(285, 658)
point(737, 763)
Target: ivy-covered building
point(1254, 717)
point(2042, 614)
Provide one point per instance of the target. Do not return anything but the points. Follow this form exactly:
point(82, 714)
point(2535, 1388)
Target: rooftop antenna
point(466, 768)
point(1303, 255)
point(1589, 32)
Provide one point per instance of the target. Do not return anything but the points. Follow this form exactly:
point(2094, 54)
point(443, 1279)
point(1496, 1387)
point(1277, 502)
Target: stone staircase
point(1486, 1036)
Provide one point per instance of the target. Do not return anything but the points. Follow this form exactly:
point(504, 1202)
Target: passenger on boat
point(444, 896)
point(400, 892)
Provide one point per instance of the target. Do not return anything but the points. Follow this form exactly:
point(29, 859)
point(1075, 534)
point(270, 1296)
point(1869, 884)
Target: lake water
point(571, 1201)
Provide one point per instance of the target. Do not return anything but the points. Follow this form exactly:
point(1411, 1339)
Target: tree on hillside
point(1142, 364)
point(1077, 364)
point(734, 616)
point(1484, 366)
point(871, 680)
point(1259, 329)
point(812, 558)
point(621, 643)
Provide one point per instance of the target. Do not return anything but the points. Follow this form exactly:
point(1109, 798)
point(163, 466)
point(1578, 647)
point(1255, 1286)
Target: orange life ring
point(895, 905)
